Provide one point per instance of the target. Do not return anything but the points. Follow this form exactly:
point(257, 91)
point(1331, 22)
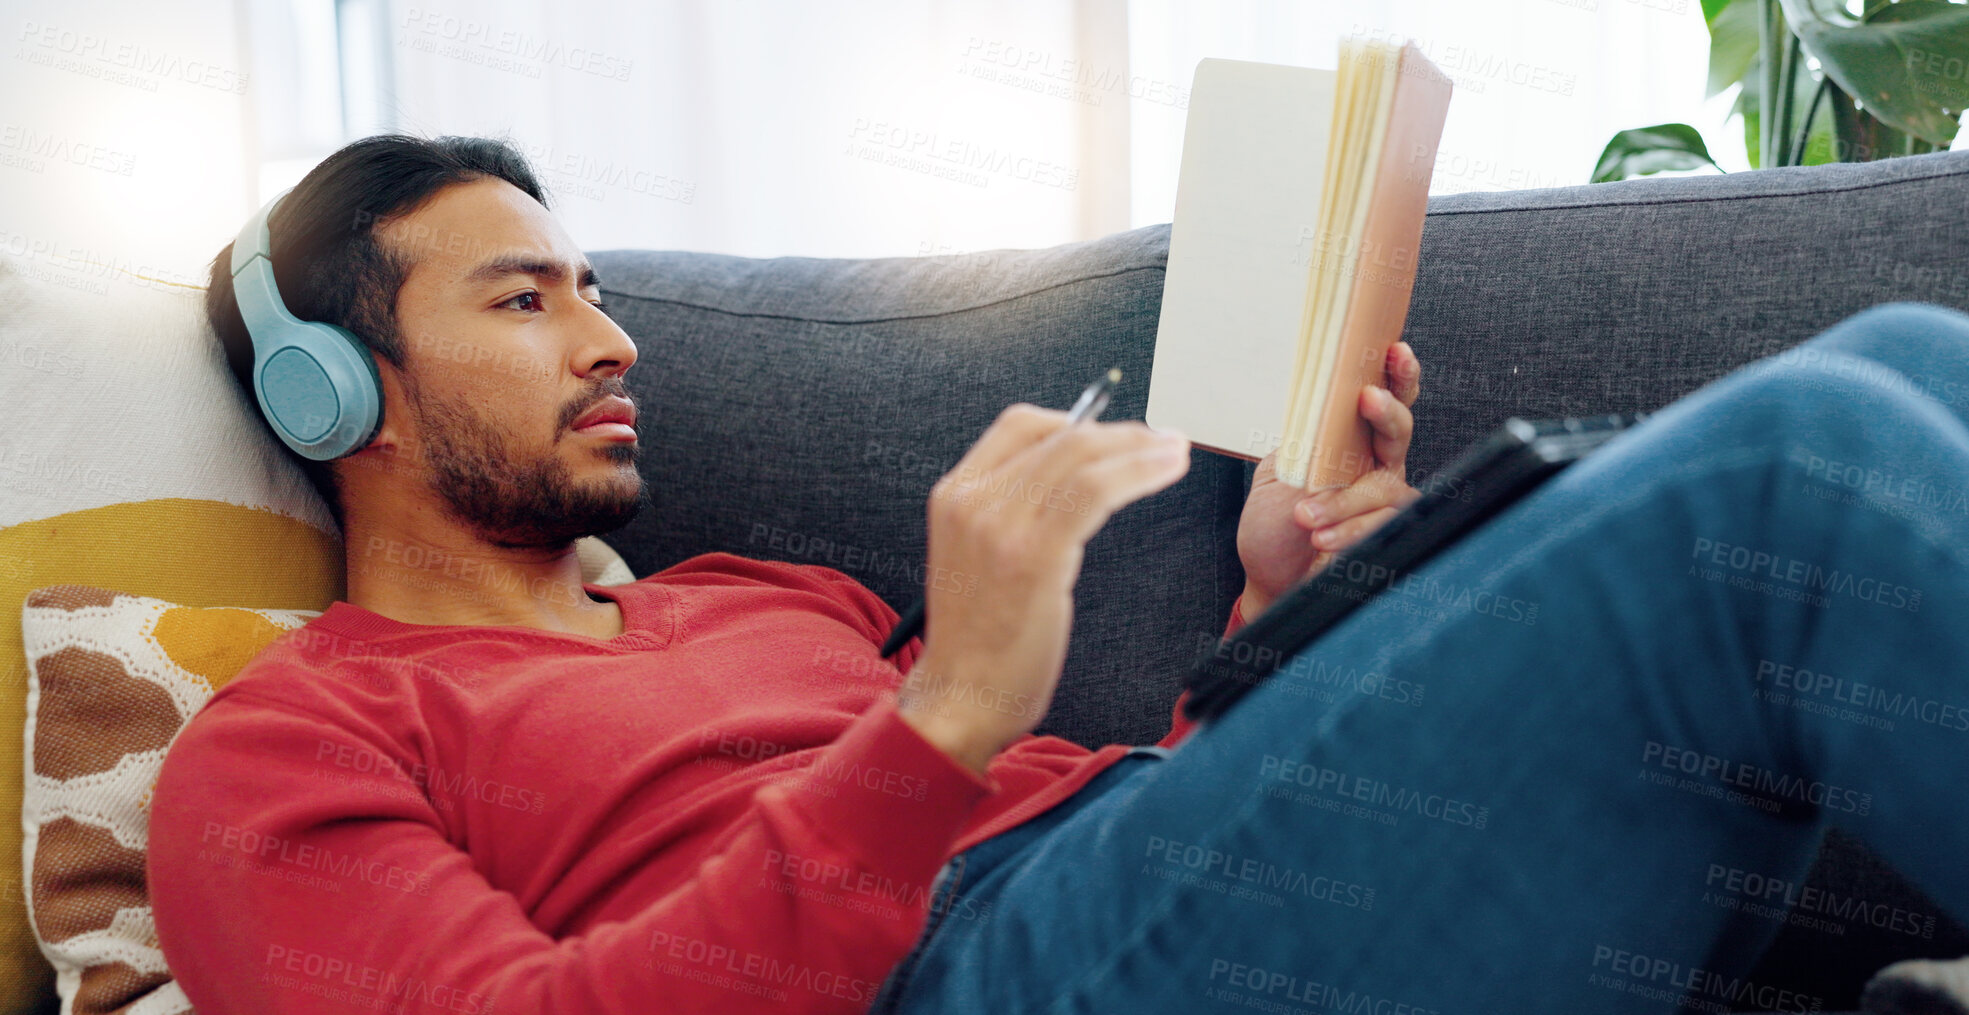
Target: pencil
point(1088, 406)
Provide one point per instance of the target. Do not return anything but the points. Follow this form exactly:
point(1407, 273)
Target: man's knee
point(1814, 392)
point(1925, 319)
point(1926, 344)
point(1888, 352)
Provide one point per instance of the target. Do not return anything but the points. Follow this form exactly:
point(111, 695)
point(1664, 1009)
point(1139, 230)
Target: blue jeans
point(1580, 762)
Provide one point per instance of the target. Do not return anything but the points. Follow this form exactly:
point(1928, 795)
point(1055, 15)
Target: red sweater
point(717, 810)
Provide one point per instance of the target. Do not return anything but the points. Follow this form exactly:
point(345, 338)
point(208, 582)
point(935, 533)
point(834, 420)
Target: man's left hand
point(1287, 534)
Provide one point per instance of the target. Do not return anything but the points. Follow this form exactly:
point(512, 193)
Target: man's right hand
point(1007, 530)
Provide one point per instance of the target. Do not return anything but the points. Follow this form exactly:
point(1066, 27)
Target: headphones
point(315, 382)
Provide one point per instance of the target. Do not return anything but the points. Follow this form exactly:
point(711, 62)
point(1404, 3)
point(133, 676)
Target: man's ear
point(387, 450)
point(396, 404)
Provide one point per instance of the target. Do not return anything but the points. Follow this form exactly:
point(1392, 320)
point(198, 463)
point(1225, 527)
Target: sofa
point(800, 408)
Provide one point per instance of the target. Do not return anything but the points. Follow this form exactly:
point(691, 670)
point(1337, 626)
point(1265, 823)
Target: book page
point(1372, 69)
point(1320, 289)
point(1381, 274)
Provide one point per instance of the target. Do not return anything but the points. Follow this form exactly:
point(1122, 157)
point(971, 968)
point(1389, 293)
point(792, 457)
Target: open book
point(1299, 213)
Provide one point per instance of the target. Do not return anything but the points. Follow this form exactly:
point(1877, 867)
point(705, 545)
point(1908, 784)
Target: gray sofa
point(800, 408)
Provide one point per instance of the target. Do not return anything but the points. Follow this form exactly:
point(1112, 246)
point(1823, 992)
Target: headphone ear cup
point(316, 383)
point(320, 390)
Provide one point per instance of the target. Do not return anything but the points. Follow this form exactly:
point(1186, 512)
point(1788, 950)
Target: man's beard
point(511, 502)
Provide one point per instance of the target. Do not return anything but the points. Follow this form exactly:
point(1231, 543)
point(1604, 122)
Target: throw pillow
point(111, 680)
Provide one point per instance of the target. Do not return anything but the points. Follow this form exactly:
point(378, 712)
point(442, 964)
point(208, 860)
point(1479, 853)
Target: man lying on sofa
point(651, 797)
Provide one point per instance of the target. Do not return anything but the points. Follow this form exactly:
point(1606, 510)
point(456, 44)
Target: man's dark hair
point(328, 262)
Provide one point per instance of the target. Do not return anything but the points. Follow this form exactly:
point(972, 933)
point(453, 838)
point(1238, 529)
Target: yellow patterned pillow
point(112, 678)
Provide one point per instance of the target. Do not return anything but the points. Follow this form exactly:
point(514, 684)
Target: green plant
point(1820, 84)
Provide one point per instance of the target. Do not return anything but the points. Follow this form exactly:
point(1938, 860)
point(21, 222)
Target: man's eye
point(535, 304)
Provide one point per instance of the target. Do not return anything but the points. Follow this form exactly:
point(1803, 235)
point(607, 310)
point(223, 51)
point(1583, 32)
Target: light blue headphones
point(315, 382)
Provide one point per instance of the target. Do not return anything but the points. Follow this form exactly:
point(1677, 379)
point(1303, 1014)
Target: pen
point(1088, 406)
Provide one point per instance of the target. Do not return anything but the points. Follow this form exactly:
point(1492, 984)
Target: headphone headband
point(255, 239)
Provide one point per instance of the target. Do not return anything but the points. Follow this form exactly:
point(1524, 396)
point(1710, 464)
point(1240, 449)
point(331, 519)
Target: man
point(543, 796)
point(442, 795)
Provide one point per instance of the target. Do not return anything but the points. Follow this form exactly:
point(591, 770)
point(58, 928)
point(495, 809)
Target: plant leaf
point(1711, 8)
point(1860, 137)
point(1752, 112)
point(1821, 142)
point(1906, 66)
point(1733, 44)
point(1826, 144)
point(1644, 150)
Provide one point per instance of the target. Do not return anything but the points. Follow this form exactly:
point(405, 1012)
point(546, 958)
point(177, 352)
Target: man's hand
point(1286, 533)
point(1008, 528)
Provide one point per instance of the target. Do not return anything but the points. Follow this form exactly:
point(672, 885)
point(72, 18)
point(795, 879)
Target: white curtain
point(123, 151)
point(906, 127)
point(875, 127)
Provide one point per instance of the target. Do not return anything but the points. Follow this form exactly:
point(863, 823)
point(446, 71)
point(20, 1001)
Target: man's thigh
point(1462, 769)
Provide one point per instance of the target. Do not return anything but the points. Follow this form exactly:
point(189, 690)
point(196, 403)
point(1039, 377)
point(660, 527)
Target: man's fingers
point(1088, 470)
point(1393, 426)
point(1349, 532)
point(1019, 426)
point(1404, 373)
point(1058, 459)
point(1099, 487)
point(1372, 492)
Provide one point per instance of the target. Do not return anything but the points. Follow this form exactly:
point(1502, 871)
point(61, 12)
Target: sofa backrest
point(1627, 296)
point(800, 408)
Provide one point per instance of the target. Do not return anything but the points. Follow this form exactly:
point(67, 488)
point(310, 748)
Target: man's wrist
point(1250, 603)
point(948, 721)
point(959, 742)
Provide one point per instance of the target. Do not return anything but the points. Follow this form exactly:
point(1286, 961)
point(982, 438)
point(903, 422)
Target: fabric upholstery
point(800, 409)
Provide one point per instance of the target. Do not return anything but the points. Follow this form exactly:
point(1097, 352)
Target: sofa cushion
point(800, 408)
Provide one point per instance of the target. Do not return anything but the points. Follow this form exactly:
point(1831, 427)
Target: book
point(1299, 211)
